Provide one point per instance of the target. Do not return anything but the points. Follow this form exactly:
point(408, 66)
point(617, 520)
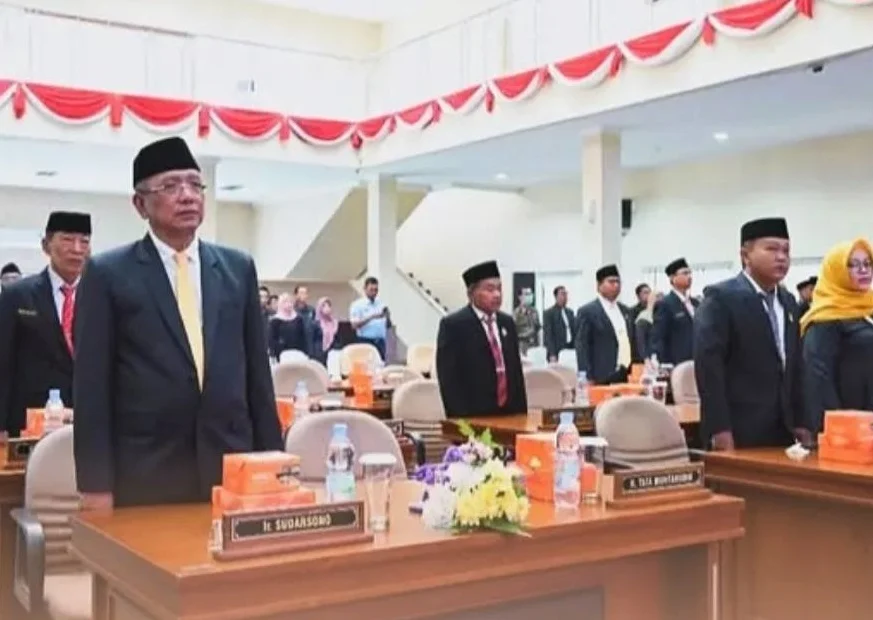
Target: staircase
point(426, 292)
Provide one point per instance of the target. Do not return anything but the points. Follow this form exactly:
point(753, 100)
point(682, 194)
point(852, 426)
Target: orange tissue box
point(852, 425)
point(600, 393)
point(285, 411)
point(253, 473)
point(535, 456)
point(839, 448)
point(224, 501)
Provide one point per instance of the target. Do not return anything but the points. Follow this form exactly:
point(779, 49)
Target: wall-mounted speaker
point(627, 214)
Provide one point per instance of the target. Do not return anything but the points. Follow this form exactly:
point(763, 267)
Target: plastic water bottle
point(302, 403)
point(340, 479)
point(568, 464)
point(582, 398)
point(54, 411)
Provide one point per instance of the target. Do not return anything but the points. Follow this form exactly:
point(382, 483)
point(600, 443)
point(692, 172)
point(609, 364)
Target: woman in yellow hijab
point(838, 334)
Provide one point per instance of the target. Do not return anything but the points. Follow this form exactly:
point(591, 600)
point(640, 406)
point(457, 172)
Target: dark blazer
point(34, 357)
point(465, 366)
point(144, 430)
point(555, 332)
point(743, 385)
point(838, 368)
point(673, 330)
point(643, 337)
point(597, 346)
point(301, 333)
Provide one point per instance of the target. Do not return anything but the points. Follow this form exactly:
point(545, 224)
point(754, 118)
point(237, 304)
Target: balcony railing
point(511, 37)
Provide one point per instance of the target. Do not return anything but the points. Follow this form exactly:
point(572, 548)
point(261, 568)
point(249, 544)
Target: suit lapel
point(757, 312)
point(789, 331)
point(210, 289)
point(158, 284)
point(605, 321)
point(44, 301)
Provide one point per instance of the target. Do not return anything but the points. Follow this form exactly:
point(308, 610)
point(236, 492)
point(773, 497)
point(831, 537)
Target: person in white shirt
point(36, 323)
point(673, 325)
point(605, 332)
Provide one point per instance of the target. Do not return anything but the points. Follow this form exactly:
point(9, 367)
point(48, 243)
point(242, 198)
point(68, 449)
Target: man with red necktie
point(36, 323)
point(478, 362)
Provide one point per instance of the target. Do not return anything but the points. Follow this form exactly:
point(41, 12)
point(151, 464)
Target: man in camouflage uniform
point(527, 322)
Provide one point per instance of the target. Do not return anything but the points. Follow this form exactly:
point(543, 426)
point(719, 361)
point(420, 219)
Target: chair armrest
point(29, 567)
point(418, 444)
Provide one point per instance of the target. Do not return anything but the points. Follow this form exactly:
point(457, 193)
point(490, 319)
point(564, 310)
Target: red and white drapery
point(74, 106)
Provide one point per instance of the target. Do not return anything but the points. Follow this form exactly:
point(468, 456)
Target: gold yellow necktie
point(186, 298)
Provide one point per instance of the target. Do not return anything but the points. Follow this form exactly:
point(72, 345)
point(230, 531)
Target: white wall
point(824, 188)
point(23, 214)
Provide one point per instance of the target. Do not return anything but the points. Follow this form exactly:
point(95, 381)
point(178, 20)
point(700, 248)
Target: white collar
point(168, 253)
point(606, 302)
point(57, 281)
point(758, 288)
point(481, 315)
point(682, 296)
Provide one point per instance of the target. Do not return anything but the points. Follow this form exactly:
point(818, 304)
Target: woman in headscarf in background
point(328, 328)
point(286, 329)
point(643, 326)
point(837, 334)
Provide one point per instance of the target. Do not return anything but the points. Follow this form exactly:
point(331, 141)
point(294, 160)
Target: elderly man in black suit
point(673, 326)
point(36, 323)
point(172, 370)
point(9, 274)
point(747, 354)
point(477, 357)
point(559, 326)
point(605, 332)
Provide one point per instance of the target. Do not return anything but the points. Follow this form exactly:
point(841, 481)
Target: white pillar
point(382, 228)
point(209, 227)
point(601, 197)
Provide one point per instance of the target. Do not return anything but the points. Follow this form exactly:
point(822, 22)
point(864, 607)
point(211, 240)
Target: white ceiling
point(786, 107)
point(363, 10)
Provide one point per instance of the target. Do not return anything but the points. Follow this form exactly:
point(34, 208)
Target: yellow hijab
point(834, 297)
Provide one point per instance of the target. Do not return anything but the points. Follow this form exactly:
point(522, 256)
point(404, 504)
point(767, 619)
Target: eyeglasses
point(860, 265)
point(174, 188)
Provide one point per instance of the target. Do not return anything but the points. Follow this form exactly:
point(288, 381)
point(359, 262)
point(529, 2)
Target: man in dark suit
point(477, 358)
point(36, 323)
point(605, 332)
point(559, 326)
point(172, 370)
point(673, 325)
point(9, 274)
point(804, 292)
point(747, 354)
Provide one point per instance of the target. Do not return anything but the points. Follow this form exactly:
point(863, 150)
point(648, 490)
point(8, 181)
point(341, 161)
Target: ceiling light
point(720, 136)
point(230, 188)
point(46, 173)
point(501, 176)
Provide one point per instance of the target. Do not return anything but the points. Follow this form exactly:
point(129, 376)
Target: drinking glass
point(378, 469)
point(593, 451)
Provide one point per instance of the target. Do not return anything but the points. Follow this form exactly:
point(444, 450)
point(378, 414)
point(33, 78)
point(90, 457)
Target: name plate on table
point(18, 450)
point(583, 416)
point(634, 487)
point(251, 534)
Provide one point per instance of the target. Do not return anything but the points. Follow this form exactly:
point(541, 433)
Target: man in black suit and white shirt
point(747, 353)
point(477, 358)
point(673, 325)
point(36, 323)
point(559, 326)
point(605, 332)
point(172, 370)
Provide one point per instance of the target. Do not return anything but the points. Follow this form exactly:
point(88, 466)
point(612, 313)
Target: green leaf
point(487, 439)
point(465, 429)
point(505, 527)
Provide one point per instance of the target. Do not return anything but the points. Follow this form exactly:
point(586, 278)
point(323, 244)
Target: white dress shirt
point(57, 282)
point(483, 320)
point(620, 326)
point(780, 313)
point(568, 335)
point(686, 301)
point(168, 258)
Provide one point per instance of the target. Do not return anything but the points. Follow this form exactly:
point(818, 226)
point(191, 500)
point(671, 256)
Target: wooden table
point(808, 550)
point(641, 564)
point(504, 428)
point(11, 496)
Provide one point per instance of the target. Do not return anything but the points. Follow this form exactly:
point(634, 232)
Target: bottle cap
point(568, 417)
point(582, 375)
point(340, 430)
point(54, 394)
